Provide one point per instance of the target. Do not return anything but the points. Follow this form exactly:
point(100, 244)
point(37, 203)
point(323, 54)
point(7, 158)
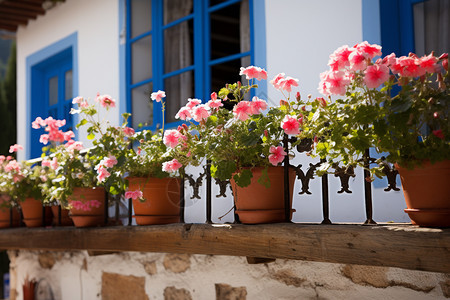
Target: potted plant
point(9, 215)
point(24, 179)
point(397, 105)
point(80, 175)
point(153, 174)
point(243, 141)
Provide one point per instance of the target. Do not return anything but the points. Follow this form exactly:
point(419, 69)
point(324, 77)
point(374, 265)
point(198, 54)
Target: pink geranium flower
point(46, 163)
point(15, 148)
point(135, 195)
point(54, 163)
point(36, 124)
point(339, 59)
point(171, 166)
point(71, 145)
point(157, 96)
point(375, 75)
point(290, 125)
point(68, 135)
point(428, 63)
point(171, 138)
point(257, 106)
point(276, 80)
point(277, 155)
point(334, 82)
point(43, 139)
point(242, 110)
point(358, 61)
point(102, 173)
point(287, 83)
point(184, 113)
point(200, 112)
point(369, 50)
point(193, 102)
point(128, 131)
point(253, 72)
point(109, 161)
point(213, 104)
point(106, 101)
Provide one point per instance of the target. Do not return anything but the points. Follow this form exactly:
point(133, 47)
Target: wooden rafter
point(14, 13)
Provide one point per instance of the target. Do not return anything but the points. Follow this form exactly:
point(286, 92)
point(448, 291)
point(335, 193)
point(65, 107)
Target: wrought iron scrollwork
point(344, 174)
point(305, 178)
point(196, 184)
point(222, 186)
point(305, 145)
point(391, 175)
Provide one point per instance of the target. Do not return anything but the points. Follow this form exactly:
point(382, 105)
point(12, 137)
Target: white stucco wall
point(96, 23)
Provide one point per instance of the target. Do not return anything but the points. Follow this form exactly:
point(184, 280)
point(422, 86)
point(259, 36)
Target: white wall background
point(96, 23)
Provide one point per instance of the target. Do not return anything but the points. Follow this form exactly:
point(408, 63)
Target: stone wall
point(130, 275)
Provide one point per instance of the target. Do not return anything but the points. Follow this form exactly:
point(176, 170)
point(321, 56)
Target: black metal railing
point(304, 175)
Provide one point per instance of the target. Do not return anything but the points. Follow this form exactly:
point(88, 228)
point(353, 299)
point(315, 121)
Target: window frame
point(202, 62)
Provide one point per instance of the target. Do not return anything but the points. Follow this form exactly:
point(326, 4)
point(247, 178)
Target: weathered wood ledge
point(402, 246)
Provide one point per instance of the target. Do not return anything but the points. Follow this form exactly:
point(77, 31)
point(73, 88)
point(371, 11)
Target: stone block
point(172, 293)
point(227, 292)
point(119, 287)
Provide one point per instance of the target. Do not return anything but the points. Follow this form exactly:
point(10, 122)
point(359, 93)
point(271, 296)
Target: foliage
point(232, 133)
point(392, 104)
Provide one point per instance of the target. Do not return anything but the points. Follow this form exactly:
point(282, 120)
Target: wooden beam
point(19, 12)
point(6, 16)
point(399, 246)
point(8, 27)
point(24, 6)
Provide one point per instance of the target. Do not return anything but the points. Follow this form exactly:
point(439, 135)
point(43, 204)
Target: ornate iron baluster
point(305, 178)
point(222, 186)
point(196, 184)
point(368, 189)
point(391, 175)
point(344, 175)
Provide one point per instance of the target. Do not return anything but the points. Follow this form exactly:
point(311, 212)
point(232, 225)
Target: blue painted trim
point(39, 56)
point(222, 5)
point(203, 51)
point(229, 58)
point(371, 26)
point(178, 21)
point(179, 71)
point(258, 41)
point(138, 37)
point(122, 59)
point(397, 26)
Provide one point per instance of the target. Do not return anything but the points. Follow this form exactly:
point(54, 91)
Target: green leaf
point(81, 123)
point(244, 178)
point(224, 170)
point(91, 136)
point(264, 178)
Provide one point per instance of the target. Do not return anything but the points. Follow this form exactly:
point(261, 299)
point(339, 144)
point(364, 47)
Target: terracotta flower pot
point(427, 193)
point(93, 212)
point(32, 210)
point(162, 204)
point(256, 204)
point(6, 213)
point(65, 218)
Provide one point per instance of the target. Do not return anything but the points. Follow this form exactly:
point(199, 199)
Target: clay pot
point(65, 218)
point(91, 216)
point(32, 210)
point(162, 200)
point(7, 213)
point(256, 204)
point(427, 193)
